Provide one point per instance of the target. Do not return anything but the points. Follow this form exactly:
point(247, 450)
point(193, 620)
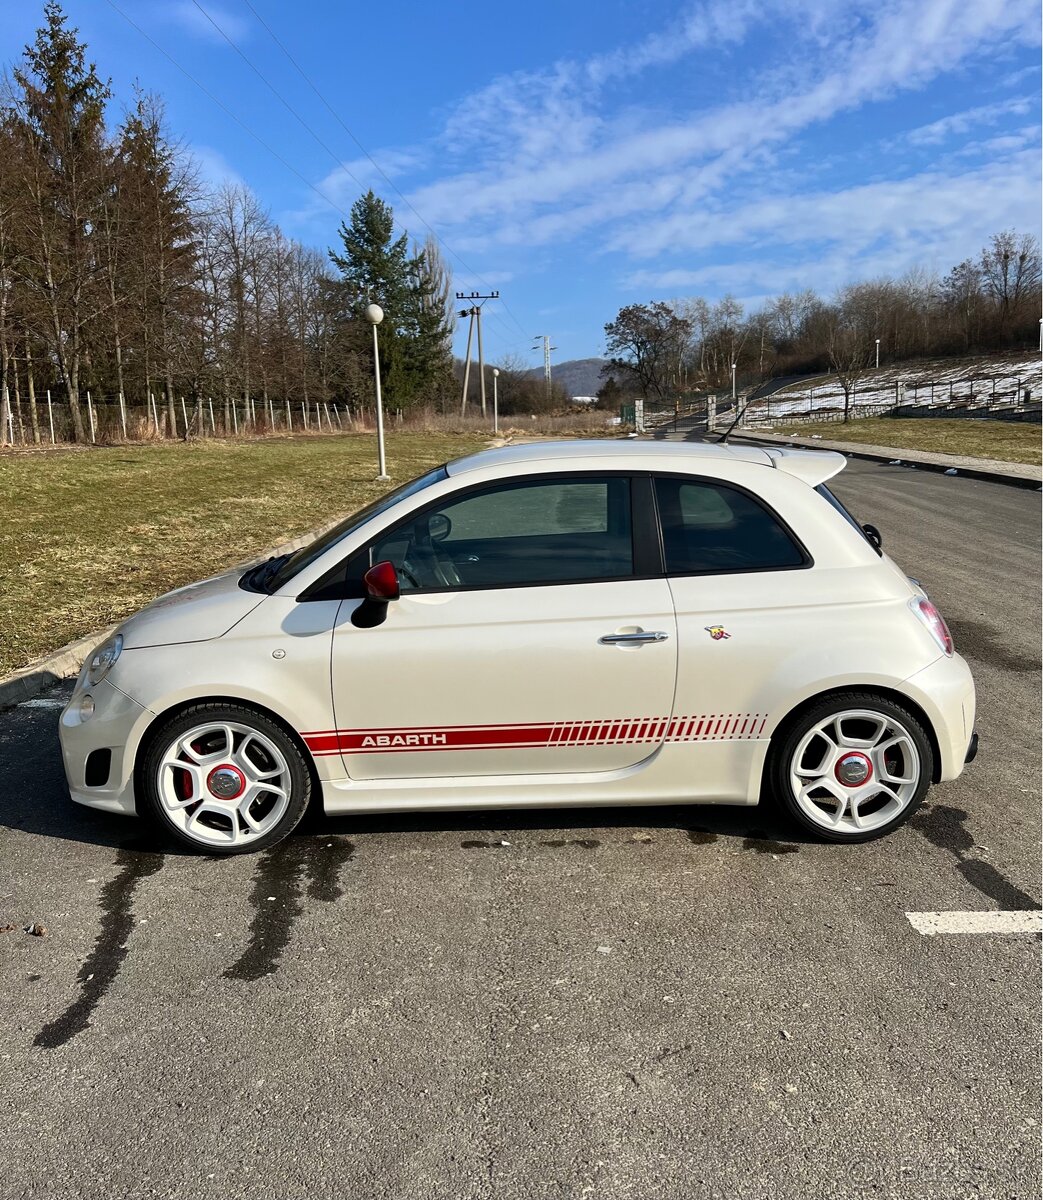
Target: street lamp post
point(878, 354)
point(375, 314)
point(496, 403)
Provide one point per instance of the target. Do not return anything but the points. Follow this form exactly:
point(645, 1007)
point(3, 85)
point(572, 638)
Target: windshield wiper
point(266, 572)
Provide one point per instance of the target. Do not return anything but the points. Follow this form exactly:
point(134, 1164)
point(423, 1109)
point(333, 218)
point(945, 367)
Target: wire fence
point(992, 396)
point(107, 420)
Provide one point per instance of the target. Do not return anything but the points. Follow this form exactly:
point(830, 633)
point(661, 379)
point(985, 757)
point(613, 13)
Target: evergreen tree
point(156, 191)
point(412, 289)
point(375, 264)
point(57, 116)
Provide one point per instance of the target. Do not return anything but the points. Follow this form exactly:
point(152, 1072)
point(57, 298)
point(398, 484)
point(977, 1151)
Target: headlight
point(103, 659)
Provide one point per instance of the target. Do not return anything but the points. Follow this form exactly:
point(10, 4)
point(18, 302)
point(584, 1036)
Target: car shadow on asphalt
point(702, 823)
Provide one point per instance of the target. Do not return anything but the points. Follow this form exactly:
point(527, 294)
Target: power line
point(284, 102)
point(340, 121)
point(242, 124)
point(224, 108)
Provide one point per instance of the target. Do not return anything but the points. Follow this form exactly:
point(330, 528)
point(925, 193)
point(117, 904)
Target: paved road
point(683, 1003)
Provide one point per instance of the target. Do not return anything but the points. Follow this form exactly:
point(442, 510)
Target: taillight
point(934, 621)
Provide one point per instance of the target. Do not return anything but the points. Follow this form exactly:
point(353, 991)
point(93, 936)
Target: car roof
point(812, 466)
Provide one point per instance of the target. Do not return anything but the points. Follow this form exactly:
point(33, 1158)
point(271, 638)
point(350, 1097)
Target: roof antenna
point(739, 414)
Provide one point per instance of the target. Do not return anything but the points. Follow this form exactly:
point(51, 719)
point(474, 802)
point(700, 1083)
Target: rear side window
point(710, 527)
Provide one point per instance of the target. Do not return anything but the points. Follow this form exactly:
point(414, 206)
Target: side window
point(510, 535)
point(709, 526)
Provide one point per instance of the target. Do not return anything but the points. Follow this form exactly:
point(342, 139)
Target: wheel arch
point(148, 736)
point(871, 689)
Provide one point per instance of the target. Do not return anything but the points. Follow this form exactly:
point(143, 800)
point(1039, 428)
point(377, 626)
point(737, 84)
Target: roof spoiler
point(813, 466)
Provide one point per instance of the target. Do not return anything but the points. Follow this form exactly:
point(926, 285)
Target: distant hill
point(578, 376)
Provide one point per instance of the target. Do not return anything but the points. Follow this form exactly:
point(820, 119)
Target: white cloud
point(537, 160)
point(827, 238)
point(961, 122)
point(188, 16)
point(214, 169)
point(552, 166)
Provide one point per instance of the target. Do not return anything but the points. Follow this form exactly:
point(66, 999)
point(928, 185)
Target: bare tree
point(1010, 268)
point(848, 351)
point(645, 344)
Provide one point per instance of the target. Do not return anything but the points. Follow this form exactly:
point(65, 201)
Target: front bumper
point(108, 729)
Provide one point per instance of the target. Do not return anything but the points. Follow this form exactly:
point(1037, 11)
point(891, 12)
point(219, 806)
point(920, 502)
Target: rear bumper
point(945, 692)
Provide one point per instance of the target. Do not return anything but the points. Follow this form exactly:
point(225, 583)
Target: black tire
point(298, 778)
point(791, 735)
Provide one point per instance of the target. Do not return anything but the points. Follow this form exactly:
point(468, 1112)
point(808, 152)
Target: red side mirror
point(382, 582)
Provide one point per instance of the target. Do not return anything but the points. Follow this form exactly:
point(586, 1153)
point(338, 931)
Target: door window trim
point(646, 558)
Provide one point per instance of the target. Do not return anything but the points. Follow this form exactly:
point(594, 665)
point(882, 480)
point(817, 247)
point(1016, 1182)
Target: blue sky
point(582, 156)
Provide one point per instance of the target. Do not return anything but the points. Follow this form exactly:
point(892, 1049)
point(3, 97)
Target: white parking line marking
point(932, 923)
point(42, 704)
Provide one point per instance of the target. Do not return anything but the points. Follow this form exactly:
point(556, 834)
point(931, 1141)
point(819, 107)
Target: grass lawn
point(89, 536)
point(1009, 441)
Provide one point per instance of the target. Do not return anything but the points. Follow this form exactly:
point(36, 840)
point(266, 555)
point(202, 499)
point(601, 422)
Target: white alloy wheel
point(855, 771)
point(223, 784)
point(852, 766)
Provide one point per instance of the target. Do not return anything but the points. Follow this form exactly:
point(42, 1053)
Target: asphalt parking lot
point(685, 1003)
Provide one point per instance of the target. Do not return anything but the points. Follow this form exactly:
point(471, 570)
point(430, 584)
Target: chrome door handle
point(630, 639)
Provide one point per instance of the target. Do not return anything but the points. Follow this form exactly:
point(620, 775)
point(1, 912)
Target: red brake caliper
point(184, 781)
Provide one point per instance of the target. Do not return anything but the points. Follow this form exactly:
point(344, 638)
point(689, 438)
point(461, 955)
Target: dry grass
point(1006, 441)
point(577, 424)
point(88, 536)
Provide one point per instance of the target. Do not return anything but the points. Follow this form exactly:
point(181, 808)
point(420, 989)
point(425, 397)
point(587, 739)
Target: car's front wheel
point(853, 767)
point(224, 779)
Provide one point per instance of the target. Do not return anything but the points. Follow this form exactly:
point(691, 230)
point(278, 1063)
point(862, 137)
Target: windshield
point(308, 554)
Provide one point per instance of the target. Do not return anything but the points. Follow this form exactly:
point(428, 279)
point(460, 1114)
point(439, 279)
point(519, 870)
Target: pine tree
point(57, 116)
point(412, 289)
point(375, 264)
point(156, 190)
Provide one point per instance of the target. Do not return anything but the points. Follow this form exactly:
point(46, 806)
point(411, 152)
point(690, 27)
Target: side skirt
point(726, 772)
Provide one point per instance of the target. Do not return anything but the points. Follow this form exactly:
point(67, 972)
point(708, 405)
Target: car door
point(529, 637)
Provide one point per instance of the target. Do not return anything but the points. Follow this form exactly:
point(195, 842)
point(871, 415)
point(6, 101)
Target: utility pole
point(547, 348)
point(467, 312)
point(475, 313)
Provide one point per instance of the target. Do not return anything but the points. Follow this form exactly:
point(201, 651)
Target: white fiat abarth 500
point(565, 623)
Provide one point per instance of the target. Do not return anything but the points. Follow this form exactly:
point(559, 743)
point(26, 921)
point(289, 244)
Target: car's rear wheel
point(853, 767)
point(224, 779)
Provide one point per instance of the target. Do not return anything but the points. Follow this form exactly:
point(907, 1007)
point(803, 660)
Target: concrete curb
point(65, 662)
point(1022, 475)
